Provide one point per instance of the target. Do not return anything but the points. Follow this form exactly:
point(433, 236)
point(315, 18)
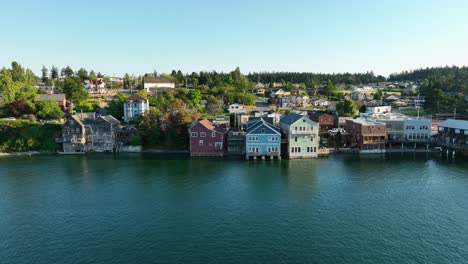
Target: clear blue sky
point(257, 35)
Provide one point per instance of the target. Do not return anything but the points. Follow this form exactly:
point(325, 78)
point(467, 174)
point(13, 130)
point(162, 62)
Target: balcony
point(303, 132)
point(273, 153)
point(77, 140)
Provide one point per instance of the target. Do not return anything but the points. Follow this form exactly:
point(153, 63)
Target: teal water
point(153, 209)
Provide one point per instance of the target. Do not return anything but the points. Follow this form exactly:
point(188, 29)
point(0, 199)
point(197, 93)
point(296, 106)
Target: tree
point(49, 109)
point(7, 86)
point(330, 89)
point(20, 108)
point(74, 89)
point(54, 73)
point(363, 108)
point(83, 106)
point(67, 72)
point(44, 77)
point(346, 107)
point(82, 74)
point(193, 98)
point(116, 107)
point(378, 95)
point(92, 75)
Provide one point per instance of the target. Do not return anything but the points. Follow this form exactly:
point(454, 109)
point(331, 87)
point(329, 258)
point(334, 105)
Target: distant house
point(260, 91)
point(153, 84)
point(206, 138)
point(236, 109)
point(378, 109)
point(60, 99)
point(263, 139)
point(279, 93)
point(135, 105)
point(321, 102)
point(95, 86)
point(48, 89)
point(301, 134)
point(368, 136)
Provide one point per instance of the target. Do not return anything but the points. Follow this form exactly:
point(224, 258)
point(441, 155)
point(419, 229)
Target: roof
point(55, 97)
point(290, 118)
point(110, 119)
point(367, 122)
point(253, 125)
point(207, 123)
point(157, 80)
point(136, 97)
point(457, 124)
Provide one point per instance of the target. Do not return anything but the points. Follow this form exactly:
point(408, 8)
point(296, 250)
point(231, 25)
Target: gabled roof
point(110, 119)
point(77, 119)
point(210, 126)
point(290, 118)
point(136, 97)
point(254, 125)
point(457, 124)
point(157, 80)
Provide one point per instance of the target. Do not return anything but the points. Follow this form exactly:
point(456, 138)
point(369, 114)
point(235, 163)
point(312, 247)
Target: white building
point(135, 105)
point(236, 109)
point(371, 110)
point(302, 134)
point(154, 83)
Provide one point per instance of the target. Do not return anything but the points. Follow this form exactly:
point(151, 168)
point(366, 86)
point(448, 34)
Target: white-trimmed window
point(200, 142)
point(202, 134)
point(213, 134)
point(194, 134)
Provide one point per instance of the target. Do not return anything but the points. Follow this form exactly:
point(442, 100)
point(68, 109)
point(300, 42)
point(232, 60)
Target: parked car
point(336, 130)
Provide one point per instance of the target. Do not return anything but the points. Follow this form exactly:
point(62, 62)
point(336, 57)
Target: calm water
point(149, 209)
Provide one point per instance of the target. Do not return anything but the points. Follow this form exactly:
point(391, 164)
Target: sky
point(139, 36)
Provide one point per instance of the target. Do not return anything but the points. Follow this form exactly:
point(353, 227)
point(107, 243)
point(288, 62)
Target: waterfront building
point(453, 134)
point(90, 132)
point(302, 136)
point(135, 105)
point(207, 138)
point(404, 129)
point(263, 139)
point(368, 136)
point(236, 141)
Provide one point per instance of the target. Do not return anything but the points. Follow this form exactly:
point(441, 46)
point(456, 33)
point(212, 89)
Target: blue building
point(263, 139)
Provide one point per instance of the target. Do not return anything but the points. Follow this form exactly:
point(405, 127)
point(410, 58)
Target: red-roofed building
point(207, 138)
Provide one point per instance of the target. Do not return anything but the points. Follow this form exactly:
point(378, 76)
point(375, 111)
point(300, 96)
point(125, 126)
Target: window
point(202, 134)
point(263, 131)
point(194, 134)
point(213, 134)
point(315, 149)
point(295, 138)
point(200, 142)
point(219, 145)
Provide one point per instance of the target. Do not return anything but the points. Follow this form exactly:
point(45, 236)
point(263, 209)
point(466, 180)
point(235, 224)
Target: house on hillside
point(236, 109)
point(152, 85)
point(263, 139)
point(207, 138)
point(135, 105)
point(60, 99)
point(302, 136)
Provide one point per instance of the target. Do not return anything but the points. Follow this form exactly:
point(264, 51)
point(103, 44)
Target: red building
point(366, 135)
point(325, 120)
point(206, 138)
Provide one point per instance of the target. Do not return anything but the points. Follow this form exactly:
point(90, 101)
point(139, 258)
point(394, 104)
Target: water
point(149, 209)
